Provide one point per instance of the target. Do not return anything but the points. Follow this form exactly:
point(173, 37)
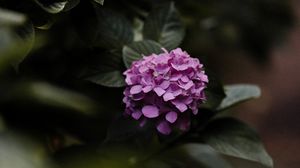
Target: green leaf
point(137, 50)
point(238, 93)
point(109, 79)
point(234, 138)
point(195, 155)
point(101, 2)
point(164, 26)
point(71, 4)
point(113, 29)
point(53, 7)
point(105, 70)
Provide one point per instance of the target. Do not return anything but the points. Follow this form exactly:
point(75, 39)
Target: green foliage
point(232, 137)
point(137, 50)
point(66, 95)
point(238, 93)
point(163, 25)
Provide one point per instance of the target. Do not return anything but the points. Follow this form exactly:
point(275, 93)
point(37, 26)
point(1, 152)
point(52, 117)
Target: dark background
point(276, 114)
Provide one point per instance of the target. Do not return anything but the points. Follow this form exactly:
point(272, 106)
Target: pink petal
point(168, 96)
point(195, 111)
point(147, 89)
point(165, 84)
point(136, 89)
point(184, 79)
point(159, 91)
point(150, 111)
point(171, 116)
point(136, 115)
point(180, 106)
point(188, 85)
point(164, 128)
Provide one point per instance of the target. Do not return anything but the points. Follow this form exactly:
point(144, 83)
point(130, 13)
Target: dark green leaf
point(244, 163)
point(234, 138)
point(101, 2)
point(113, 29)
point(106, 70)
point(164, 26)
point(196, 155)
point(71, 4)
point(238, 93)
point(137, 50)
point(109, 79)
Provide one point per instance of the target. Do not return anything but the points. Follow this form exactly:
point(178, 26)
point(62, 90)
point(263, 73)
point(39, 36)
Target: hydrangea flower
point(165, 89)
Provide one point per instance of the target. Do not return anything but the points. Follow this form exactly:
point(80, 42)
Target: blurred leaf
point(15, 44)
point(54, 6)
point(54, 96)
point(234, 138)
point(238, 93)
point(110, 79)
point(10, 18)
point(25, 37)
point(101, 2)
point(214, 92)
point(196, 155)
point(138, 25)
point(164, 26)
point(21, 152)
point(71, 4)
point(105, 69)
point(2, 124)
point(137, 50)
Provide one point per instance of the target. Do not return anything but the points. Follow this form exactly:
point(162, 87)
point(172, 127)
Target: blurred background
point(250, 41)
point(276, 114)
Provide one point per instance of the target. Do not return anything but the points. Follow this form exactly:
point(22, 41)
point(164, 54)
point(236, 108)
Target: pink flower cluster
point(165, 88)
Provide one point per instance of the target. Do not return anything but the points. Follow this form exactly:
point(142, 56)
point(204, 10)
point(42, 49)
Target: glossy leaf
point(137, 50)
point(105, 70)
point(238, 93)
point(101, 2)
point(196, 155)
point(71, 4)
point(164, 26)
point(55, 6)
point(234, 138)
point(110, 79)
